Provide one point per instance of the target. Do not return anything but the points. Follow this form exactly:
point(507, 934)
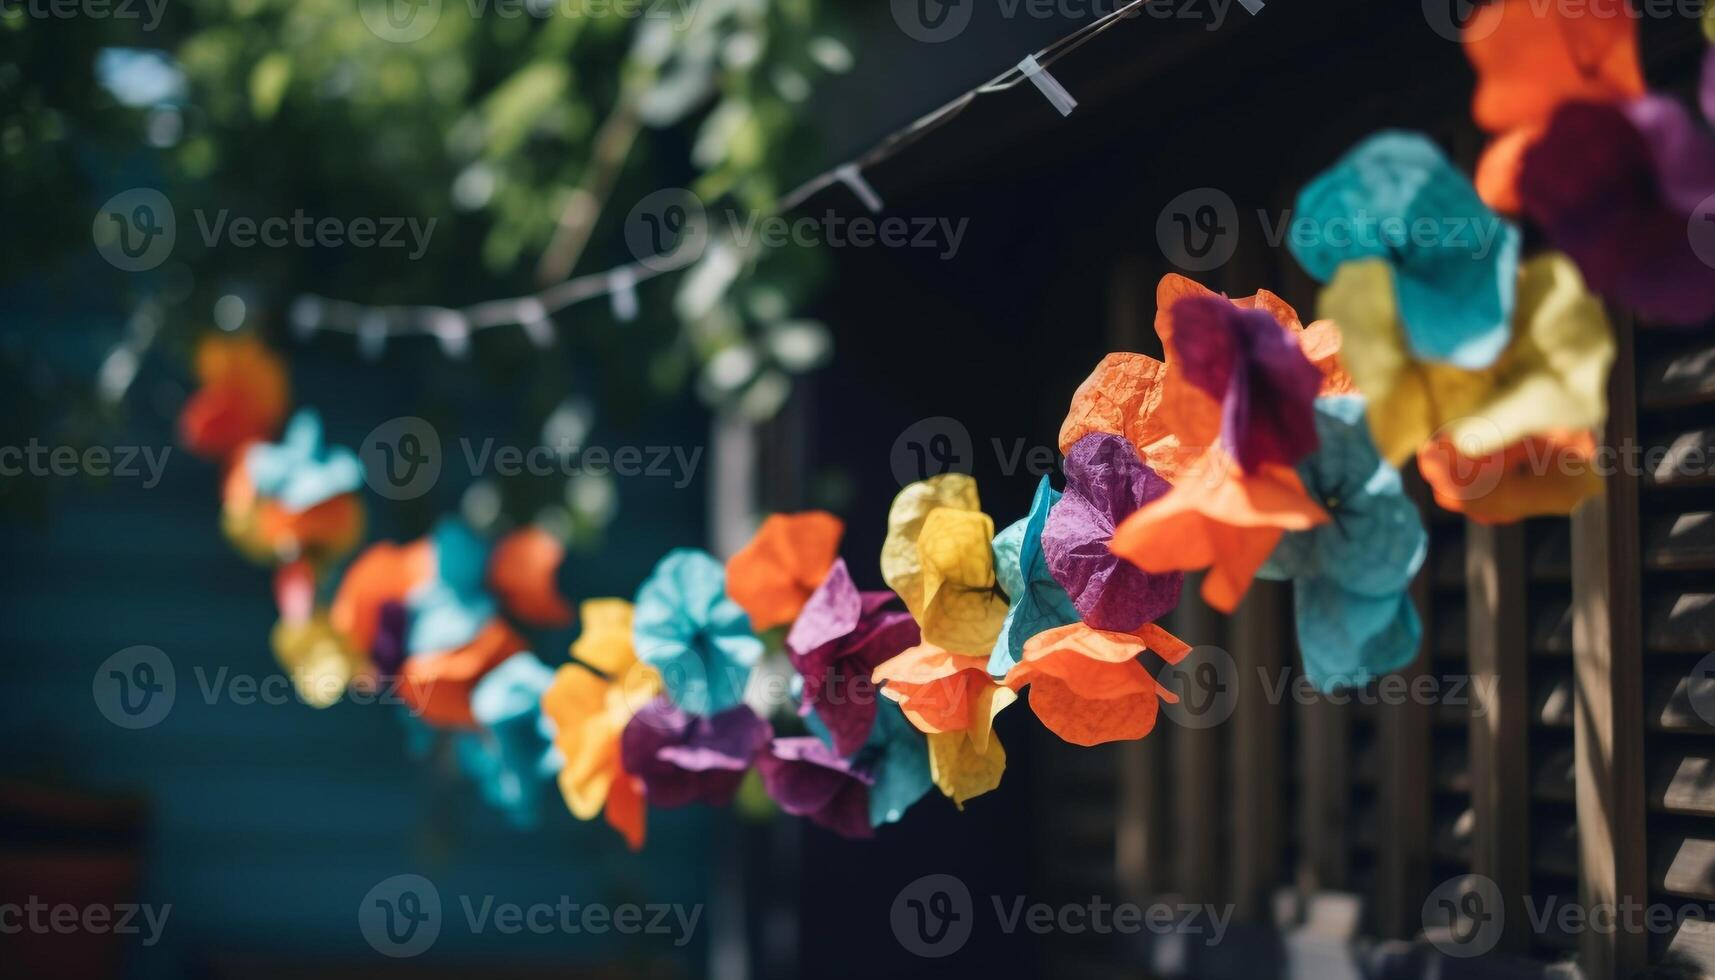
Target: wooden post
point(1406, 783)
point(1499, 649)
point(1607, 664)
point(1199, 820)
point(1260, 648)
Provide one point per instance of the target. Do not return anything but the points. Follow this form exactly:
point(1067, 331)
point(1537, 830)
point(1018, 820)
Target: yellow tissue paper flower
point(317, 658)
point(939, 558)
point(969, 762)
point(590, 711)
point(605, 643)
point(1552, 376)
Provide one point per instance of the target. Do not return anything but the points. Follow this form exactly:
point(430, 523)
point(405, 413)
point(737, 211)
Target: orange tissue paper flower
point(937, 689)
point(773, 576)
point(437, 686)
point(521, 572)
point(242, 397)
point(1530, 60)
point(1087, 685)
point(1218, 518)
point(1544, 474)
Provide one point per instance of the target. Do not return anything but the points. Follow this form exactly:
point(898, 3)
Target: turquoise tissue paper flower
point(1038, 601)
point(895, 756)
point(1396, 197)
point(688, 630)
point(1350, 576)
point(300, 471)
point(449, 609)
point(512, 759)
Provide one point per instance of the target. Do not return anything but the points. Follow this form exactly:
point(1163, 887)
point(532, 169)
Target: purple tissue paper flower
point(1255, 368)
point(809, 779)
point(839, 639)
point(684, 758)
point(1105, 483)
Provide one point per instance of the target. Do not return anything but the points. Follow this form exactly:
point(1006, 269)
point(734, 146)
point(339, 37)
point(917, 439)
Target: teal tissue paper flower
point(1350, 576)
point(300, 471)
point(449, 609)
point(511, 758)
point(1396, 197)
point(1038, 601)
point(688, 630)
point(895, 756)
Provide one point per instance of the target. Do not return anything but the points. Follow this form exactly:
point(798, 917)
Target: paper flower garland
point(1396, 199)
point(689, 630)
point(1255, 446)
point(1355, 620)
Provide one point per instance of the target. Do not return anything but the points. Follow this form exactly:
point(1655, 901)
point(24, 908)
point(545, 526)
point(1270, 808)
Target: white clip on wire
point(849, 175)
point(372, 335)
point(533, 316)
point(622, 293)
point(1056, 93)
point(453, 331)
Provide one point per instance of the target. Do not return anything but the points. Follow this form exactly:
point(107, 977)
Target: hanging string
point(534, 312)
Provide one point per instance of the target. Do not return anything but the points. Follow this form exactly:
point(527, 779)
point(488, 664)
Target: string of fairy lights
point(375, 325)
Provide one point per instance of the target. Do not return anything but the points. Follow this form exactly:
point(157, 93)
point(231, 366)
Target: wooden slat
point(1551, 625)
point(1684, 783)
point(1685, 866)
point(1554, 781)
point(1551, 552)
point(1681, 622)
point(1608, 668)
point(1680, 378)
point(1553, 700)
point(1672, 700)
point(1680, 542)
point(1499, 662)
point(1684, 463)
point(1693, 944)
